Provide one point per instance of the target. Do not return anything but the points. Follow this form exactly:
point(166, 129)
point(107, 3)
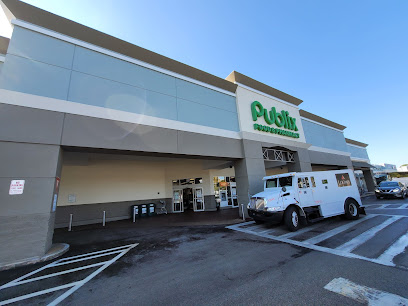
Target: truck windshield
point(279, 182)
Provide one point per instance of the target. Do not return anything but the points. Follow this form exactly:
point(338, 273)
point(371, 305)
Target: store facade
point(93, 124)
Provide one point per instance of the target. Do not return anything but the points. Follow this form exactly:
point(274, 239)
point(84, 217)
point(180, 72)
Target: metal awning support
point(278, 155)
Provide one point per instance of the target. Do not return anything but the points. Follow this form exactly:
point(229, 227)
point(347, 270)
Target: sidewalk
point(226, 216)
point(367, 194)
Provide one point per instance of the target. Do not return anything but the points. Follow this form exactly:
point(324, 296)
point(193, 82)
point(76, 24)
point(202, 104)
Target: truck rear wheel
point(259, 221)
point(351, 210)
point(292, 219)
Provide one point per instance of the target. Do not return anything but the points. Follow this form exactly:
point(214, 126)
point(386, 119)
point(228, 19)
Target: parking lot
point(380, 237)
point(334, 261)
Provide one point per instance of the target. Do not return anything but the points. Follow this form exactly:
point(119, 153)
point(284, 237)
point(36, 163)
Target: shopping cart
point(161, 208)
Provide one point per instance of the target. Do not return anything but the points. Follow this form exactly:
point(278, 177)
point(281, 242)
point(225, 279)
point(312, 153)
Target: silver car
point(388, 189)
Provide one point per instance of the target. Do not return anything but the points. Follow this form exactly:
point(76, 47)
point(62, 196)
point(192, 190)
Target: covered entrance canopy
point(357, 165)
point(367, 173)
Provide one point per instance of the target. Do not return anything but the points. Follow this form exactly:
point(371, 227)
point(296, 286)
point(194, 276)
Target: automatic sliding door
point(198, 199)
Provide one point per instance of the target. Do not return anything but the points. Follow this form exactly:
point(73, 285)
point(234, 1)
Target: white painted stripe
point(85, 258)
point(382, 206)
point(367, 235)
point(56, 274)
point(69, 107)
point(314, 247)
point(393, 207)
point(255, 228)
point(89, 46)
point(238, 225)
point(88, 278)
point(401, 207)
point(388, 215)
point(2, 58)
point(122, 251)
point(363, 294)
point(397, 248)
point(26, 275)
point(335, 231)
point(94, 253)
point(268, 231)
point(307, 228)
point(37, 293)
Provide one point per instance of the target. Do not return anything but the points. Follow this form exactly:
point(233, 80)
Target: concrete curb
point(56, 250)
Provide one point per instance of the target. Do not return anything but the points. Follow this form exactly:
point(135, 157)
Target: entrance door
point(178, 200)
point(223, 198)
point(234, 196)
point(305, 192)
point(198, 199)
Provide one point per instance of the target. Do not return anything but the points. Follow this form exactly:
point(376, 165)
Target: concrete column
point(27, 220)
point(369, 180)
point(302, 162)
point(249, 172)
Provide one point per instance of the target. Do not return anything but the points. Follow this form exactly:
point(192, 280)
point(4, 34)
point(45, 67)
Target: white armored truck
point(306, 197)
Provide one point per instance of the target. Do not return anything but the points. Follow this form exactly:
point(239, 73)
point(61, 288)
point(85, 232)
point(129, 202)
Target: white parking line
point(85, 258)
point(344, 250)
point(34, 294)
point(335, 231)
point(397, 248)
point(367, 235)
point(94, 253)
point(363, 294)
point(384, 206)
point(54, 274)
point(120, 251)
point(87, 279)
point(299, 232)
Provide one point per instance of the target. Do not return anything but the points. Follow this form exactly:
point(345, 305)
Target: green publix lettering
point(281, 119)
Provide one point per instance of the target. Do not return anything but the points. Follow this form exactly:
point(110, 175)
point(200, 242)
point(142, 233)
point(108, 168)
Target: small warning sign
point(16, 187)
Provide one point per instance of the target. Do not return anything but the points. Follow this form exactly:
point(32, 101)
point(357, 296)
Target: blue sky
point(347, 60)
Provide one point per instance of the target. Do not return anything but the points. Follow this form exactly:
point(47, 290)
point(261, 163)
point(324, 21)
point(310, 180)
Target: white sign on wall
point(274, 109)
point(16, 187)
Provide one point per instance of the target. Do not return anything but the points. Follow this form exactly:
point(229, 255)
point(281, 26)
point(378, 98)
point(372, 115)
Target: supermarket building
point(90, 123)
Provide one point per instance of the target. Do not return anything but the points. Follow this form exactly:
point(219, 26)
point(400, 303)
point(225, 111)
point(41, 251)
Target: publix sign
point(277, 122)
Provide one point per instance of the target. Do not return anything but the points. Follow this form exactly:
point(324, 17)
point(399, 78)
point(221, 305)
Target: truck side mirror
point(283, 189)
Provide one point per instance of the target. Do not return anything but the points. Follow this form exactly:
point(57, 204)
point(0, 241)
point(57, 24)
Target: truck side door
point(305, 191)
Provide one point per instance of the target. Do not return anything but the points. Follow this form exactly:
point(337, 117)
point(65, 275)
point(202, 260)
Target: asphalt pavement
point(217, 265)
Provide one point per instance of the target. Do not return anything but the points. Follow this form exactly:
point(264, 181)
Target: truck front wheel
point(351, 210)
point(292, 219)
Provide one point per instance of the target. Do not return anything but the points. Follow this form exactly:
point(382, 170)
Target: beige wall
point(101, 181)
point(277, 170)
point(112, 180)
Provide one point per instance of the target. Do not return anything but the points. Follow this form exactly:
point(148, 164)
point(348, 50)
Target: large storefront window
point(225, 191)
